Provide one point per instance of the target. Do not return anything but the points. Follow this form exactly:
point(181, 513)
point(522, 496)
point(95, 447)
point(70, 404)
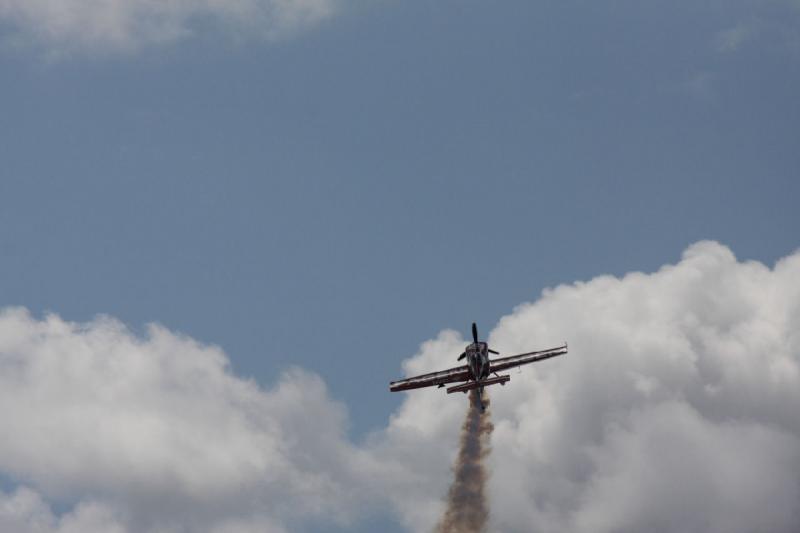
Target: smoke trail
point(467, 508)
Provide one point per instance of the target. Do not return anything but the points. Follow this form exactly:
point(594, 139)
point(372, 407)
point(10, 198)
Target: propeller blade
point(474, 332)
point(462, 356)
point(492, 351)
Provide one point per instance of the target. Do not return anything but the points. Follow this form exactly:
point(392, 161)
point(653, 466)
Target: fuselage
point(478, 360)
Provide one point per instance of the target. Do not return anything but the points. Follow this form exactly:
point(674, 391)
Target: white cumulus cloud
point(101, 26)
point(24, 511)
point(674, 411)
point(158, 429)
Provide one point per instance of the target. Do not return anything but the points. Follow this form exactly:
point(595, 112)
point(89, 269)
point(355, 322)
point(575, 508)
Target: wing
point(524, 358)
point(460, 373)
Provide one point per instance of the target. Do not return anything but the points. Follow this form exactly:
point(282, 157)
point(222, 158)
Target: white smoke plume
point(675, 410)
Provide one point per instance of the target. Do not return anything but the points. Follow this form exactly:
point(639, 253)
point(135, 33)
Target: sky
point(254, 214)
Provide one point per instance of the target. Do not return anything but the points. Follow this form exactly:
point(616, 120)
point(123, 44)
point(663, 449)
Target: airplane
point(475, 374)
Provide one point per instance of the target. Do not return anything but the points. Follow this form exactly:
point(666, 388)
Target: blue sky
point(332, 199)
point(331, 195)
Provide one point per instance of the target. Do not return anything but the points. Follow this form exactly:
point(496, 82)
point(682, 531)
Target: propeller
point(475, 338)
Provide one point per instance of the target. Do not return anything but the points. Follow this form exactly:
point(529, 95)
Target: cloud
point(24, 511)
point(700, 85)
point(157, 426)
point(732, 39)
point(103, 26)
point(772, 27)
point(675, 410)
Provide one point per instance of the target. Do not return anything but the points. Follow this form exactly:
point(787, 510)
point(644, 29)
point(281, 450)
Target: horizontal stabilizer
point(464, 387)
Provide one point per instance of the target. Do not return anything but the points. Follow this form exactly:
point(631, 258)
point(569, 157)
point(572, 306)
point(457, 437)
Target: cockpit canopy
point(480, 347)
